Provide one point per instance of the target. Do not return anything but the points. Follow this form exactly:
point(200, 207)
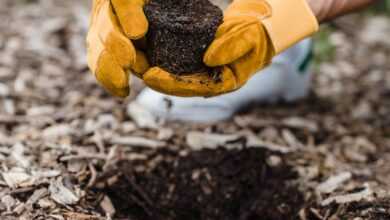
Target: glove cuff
point(290, 22)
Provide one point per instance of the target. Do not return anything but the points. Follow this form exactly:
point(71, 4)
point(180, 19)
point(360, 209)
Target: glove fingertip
point(111, 76)
point(216, 55)
point(141, 64)
point(121, 93)
point(136, 27)
point(133, 21)
point(121, 49)
point(232, 46)
point(210, 61)
point(212, 57)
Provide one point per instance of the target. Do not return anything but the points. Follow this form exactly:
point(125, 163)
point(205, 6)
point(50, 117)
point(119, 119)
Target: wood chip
point(301, 123)
point(57, 131)
point(11, 119)
point(46, 203)
point(198, 140)
point(19, 208)
point(142, 117)
point(40, 174)
point(80, 216)
point(38, 194)
point(107, 206)
point(41, 110)
point(9, 202)
point(84, 156)
point(333, 182)
point(18, 154)
point(17, 178)
point(165, 134)
point(137, 142)
point(93, 172)
point(62, 194)
point(4, 90)
point(254, 141)
point(348, 198)
point(290, 139)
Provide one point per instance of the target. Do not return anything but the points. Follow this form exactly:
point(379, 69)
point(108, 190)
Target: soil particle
point(180, 32)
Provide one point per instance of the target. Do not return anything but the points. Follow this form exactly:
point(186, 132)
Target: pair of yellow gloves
point(252, 33)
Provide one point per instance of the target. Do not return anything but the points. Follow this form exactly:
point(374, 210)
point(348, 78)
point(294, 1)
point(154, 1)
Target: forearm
point(329, 9)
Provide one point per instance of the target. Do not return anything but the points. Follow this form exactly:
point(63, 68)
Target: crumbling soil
point(180, 32)
point(208, 185)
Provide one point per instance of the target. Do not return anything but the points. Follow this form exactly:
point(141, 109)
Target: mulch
point(68, 150)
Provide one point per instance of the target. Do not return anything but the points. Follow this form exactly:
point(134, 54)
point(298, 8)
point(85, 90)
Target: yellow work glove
point(253, 32)
point(111, 53)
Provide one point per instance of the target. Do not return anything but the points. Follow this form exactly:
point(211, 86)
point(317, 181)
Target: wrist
point(286, 27)
point(328, 9)
point(315, 7)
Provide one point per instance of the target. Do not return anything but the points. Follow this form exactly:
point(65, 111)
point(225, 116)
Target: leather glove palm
point(111, 53)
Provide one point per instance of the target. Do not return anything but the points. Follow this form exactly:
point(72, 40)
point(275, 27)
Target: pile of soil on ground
point(210, 184)
point(180, 32)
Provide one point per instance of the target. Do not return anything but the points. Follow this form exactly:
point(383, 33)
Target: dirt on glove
point(180, 31)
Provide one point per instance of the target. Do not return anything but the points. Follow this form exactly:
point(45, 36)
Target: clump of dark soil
point(210, 184)
point(180, 32)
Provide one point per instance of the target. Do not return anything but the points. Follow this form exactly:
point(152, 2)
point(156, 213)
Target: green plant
point(383, 7)
point(323, 49)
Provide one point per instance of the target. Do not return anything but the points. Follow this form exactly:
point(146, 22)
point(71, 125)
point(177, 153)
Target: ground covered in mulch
point(68, 150)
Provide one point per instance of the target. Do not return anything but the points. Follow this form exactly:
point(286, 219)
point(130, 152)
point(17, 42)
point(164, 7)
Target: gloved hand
point(111, 53)
point(253, 32)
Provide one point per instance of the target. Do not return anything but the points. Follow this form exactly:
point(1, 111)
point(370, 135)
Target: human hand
point(253, 32)
point(111, 53)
